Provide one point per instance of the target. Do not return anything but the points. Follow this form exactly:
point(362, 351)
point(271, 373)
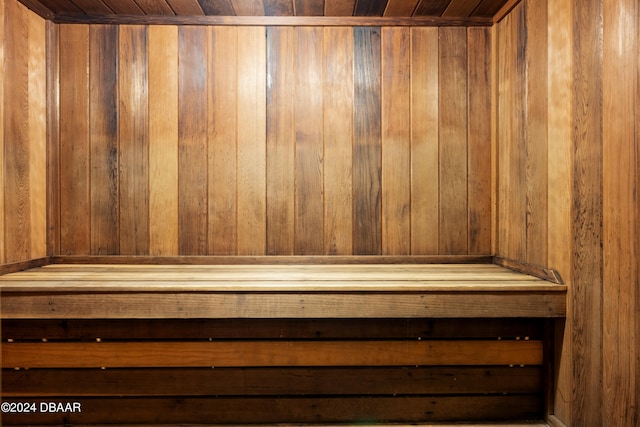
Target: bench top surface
point(273, 278)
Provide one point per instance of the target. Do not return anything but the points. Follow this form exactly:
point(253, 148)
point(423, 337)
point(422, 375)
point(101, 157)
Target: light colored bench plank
point(149, 305)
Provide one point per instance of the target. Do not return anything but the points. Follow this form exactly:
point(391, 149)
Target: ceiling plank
point(61, 6)
point(461, 7)
point(186, 7)
point(155, 7)
point(431, 7)
point(38, 8)
point(488, 7)
point(278, 7)
point(309, 7)
point(339, 7)
point(239, 21)
point(248, 7)
point(93, 7)
point(126, 7)
point(217, 7)
point(400, 7)
point(370, 7)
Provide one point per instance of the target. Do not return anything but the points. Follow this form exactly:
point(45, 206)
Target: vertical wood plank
point(396, 141)
point(479, 140)
point(192, 169)
point(517, 198)
point(37, 135)
point(620, 214)
point(453, 141)
point(587, 261)
point(536, 132)
point(16, 136)
point(163, 140)
point(424, 141)
point(281, 119)
point(504, 97)
point(367, 143)
point(513, 162)
point(223, 124)
point(560, 137)
point(338, 140)
point(251, 141)
point(103, 107)
point(133, 159)
point(53, 141)
point(3, 41)
point(75, 209)
point(309, 207)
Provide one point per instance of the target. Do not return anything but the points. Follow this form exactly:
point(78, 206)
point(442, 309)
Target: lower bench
point(230, 344)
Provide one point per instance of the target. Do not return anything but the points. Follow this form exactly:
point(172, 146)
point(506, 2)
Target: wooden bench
point(277, 340)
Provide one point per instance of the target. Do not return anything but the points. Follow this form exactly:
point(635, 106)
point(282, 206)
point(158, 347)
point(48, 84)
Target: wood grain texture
point(281, 139)
point(2, 126)
point(461, 7)
point(367, 143)
point(252, 91)
point(396, 140)
point(453, 152)
point(37, 135)
point(339, 7)
point(16, 136)
point(620, 353)
point(309, 156)
point(192, 142)
point(479, 135)
point(270, 354)
point(103, 105)
point(560, 160)
point(278, 381)
point(222, 135)
point(75, 209)
point(133, 127)
point(338, 140)
point(425, 178)
point(53, 138)
point(536, 133)
point(257, 329)
point(400, 7)
point(322, 192)
point(587, 214)
point(248, 7)
point(163, 140)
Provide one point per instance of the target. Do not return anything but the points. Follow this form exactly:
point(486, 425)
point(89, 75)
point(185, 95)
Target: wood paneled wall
point(23, 134)
point(274, 140)
point(568, 141)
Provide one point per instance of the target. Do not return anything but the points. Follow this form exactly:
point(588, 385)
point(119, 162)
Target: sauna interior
point(286, 136)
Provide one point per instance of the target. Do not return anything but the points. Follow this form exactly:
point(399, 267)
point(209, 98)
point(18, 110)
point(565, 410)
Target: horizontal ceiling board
point(431, 7)
point(461, 7)
point(217, 7)
point(190, 12)
point(278, 7)
point(93, 7)
point(400, 7)
point(155, 7)
point(339, 7)
point(186, 7)
point(125, 7)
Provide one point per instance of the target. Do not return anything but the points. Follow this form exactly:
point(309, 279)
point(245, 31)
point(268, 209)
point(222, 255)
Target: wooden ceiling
point(212, 11)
